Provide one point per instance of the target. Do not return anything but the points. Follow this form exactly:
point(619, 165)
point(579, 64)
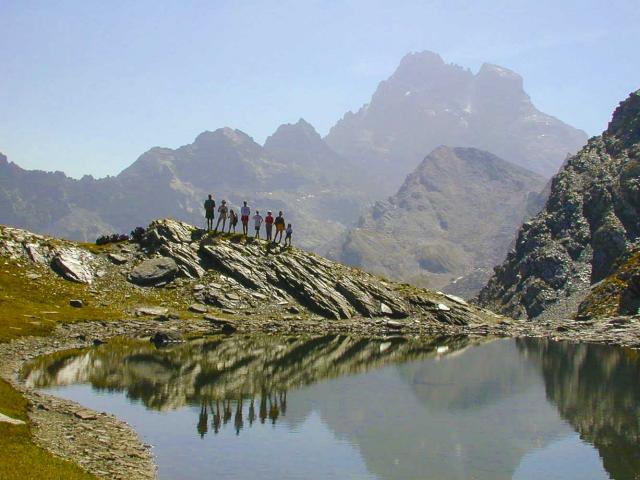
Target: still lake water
point(248, 407)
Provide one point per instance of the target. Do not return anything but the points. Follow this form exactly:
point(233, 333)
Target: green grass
point(20, 458)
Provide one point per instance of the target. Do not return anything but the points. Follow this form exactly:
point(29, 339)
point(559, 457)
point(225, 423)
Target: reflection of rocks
point(215, 368)
point(596, 390)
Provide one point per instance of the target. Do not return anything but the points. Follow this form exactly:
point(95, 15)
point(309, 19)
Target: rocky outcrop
point(452, 220)
point(589, 226)
point(260, 272)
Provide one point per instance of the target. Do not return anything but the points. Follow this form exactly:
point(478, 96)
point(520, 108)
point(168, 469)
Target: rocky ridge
point(586, 233)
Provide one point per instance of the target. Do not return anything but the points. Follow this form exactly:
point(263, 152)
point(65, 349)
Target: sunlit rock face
point(589, 226)
point(427, 103)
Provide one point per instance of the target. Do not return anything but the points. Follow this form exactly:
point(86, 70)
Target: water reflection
point(448, 407)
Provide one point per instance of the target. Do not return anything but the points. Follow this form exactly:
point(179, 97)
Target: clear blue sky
point(87, 86)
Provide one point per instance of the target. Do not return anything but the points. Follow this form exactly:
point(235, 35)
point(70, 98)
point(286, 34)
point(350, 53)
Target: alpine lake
point(341, 407)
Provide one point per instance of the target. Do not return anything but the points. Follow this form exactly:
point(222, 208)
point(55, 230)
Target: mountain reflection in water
point(448, 407)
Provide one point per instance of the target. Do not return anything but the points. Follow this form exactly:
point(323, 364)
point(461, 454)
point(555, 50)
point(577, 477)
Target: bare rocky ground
point(178, 282)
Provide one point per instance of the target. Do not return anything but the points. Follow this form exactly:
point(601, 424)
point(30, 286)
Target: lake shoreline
point(107, 447)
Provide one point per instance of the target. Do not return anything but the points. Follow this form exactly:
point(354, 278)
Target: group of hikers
point(225, 213)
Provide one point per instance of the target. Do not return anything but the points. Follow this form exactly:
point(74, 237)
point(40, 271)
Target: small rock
point(198, 308)
point(33, 276)
point(97, 342)
point(457, 299)
point(384, 308)
point(117, 259)
point(394, 324)
point(75, 302)
point(85, 415)
point(259, 296)
point(198, 287)
point(293, 309)
point(162, 338)
point(226, 325)
point(443, 308)
point(152, 311)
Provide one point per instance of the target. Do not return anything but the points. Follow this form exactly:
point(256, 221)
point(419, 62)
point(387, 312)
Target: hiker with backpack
point(279, 228)
point(287, 238)
point(245, 211)
point(223, 211)
point(268, 221)
point(209, 208)
point(257, 221)
point(233, 220)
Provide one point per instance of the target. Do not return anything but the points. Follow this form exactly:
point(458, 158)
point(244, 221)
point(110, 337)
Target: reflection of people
point(238, 422)
point(283, 402)
point(263, 407)
point(252, 412)
point(274, 410)
point(227, 411)
point(216, 418)
point(203, 419)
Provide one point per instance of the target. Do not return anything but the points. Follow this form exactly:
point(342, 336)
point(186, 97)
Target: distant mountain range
point(455, 216)
point(427, 103)
point(324, 185)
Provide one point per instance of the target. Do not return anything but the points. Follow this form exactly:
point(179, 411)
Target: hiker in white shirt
point(257, 221)
point(245, 211)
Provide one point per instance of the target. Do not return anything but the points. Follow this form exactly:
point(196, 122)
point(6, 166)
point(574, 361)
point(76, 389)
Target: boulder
point(73, 264)
point(154, 271)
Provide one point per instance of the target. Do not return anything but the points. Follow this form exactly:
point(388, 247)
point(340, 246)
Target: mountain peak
point(225, 134)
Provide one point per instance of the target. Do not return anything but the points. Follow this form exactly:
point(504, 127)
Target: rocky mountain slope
point(427, 103)
point(295, 172)
point(584, 240)
point(454, 216)
point(177, 269)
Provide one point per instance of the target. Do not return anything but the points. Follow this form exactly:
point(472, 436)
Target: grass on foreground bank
point(20, 458)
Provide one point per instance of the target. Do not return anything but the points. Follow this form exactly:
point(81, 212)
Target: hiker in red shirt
point(268, 221)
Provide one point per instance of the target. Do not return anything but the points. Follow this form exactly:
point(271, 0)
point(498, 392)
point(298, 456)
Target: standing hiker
point(209, 207)
point(257, 221)
point(279, 228)
point(268, 222)
point(223, 211)
point(233, 220)
point(287, 238)
point(245, 211)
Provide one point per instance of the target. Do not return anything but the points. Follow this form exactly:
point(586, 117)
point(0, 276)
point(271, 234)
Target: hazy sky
point(87, 86)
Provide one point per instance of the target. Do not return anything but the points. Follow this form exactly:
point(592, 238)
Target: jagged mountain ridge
point(164, 182)
point(454, 216)
point(427, 103)
point(589, 225)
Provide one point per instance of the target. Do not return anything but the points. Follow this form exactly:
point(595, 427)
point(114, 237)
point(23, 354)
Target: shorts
point(279, 227)
point(209, 215)
point(245, 219)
